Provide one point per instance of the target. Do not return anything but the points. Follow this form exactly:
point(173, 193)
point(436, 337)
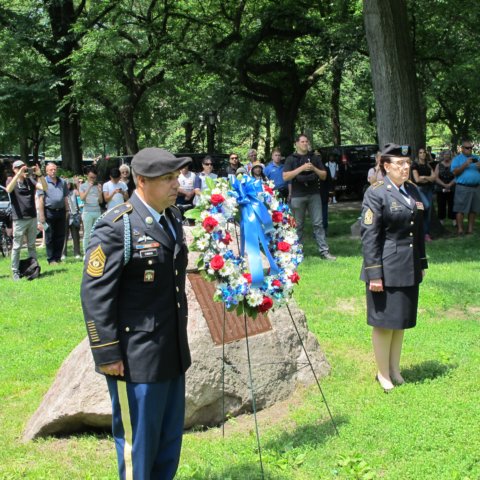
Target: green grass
point(426, 429)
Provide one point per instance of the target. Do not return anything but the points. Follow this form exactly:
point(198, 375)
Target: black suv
point(353, 161)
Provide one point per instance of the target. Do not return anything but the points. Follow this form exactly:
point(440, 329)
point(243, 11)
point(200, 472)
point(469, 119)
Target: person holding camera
point(115, 192)
point(73, 222)
point(22, 188)
point(466, 169)
point(304, 170)
point(92, 196)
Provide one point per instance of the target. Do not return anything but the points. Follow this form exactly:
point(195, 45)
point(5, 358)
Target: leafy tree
point(446, 54)
point(54, 29)
point(271, 53)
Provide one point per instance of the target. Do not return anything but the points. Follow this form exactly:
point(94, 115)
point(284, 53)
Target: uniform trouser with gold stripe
point(147, 426)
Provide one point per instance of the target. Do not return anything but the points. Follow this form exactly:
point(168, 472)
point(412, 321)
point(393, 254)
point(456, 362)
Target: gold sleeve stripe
point(105, 345)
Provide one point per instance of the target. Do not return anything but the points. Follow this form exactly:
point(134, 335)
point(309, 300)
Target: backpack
point(29, 268)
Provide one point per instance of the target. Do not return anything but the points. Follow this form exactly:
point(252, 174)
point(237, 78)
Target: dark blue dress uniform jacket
point(392, 235)
point(137, 312)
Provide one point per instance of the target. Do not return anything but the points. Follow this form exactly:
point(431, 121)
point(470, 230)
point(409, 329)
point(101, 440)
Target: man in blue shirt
point(466, 168)
point(53, 207)
point(274, 171)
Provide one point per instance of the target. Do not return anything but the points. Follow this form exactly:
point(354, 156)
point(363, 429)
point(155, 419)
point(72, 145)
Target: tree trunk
point(268, 135)
point(337, 72)
point(256, 132)
point(24, 148)
point(188, 145)
point(210, 137)
point(127, 123)
point(70, 136)
point(393, 73)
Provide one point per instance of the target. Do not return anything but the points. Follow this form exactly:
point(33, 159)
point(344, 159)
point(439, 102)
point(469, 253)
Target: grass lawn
point(426, 429)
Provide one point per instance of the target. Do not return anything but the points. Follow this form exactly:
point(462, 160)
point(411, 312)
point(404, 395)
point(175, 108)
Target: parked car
point(354, 161)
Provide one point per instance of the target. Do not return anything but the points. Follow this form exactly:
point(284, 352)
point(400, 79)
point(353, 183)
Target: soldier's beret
point(154, 162)
point(394, 150)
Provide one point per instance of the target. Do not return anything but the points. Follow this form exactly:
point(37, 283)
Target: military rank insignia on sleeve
point(368, 217)
point(96, 262)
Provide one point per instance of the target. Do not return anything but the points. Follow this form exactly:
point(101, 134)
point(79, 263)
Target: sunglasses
point(208, 164)
point(233, 158)
point(467, 148)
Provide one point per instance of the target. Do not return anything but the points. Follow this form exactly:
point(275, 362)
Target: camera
point(474, 160)
point(30, 170)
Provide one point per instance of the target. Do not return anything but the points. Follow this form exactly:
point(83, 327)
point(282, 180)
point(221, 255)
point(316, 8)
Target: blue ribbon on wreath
point(255, 223)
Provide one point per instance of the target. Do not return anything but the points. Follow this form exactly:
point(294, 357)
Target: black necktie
point(166, 227)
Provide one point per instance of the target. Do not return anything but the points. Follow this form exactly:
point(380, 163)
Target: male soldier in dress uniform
point(135, 309)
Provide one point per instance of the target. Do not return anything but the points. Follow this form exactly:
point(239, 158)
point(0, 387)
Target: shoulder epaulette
point(378, 184)
point(409, 181)
point(120, 210)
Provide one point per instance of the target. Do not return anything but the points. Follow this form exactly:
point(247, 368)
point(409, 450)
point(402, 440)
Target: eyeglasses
point(401, 163)
point(466, 148)
point(208, 164)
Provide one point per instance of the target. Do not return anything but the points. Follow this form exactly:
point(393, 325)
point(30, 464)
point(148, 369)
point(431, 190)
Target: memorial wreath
point(265, 224)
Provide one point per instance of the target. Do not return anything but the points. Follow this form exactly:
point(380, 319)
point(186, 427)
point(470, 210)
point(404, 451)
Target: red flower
point(209, 224)
point(227, 238)
point(248, 276)
point(267, 304)
point(216, 199)
point(283, 246)
point(294, 277)
point(217, 262)
point(268, 189)
point(277, 216)
point(276, 283)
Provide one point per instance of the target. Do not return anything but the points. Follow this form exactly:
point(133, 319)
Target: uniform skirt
point(395, 308)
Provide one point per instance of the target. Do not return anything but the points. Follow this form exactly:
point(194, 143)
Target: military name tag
point(148, 253)
point(420, 206)
point(149, 276)
point(395, 207)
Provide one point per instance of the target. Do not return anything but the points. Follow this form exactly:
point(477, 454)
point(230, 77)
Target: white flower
point(203, 242)
point(255, 297)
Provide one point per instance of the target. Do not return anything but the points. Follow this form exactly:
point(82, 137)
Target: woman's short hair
point(124, 167)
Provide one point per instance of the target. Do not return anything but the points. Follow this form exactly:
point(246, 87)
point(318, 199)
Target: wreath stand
point(251, 382)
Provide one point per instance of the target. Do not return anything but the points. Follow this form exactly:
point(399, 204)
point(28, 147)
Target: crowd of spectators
point(68, 208)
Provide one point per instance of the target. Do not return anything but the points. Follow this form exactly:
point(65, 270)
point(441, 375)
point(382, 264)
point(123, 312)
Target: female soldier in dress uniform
point(393, 260)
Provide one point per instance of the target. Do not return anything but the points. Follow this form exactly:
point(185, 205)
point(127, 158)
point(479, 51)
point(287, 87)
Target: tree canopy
point(108, 77)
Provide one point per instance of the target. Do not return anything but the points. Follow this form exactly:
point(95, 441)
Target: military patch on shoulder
point(378, 184)
point(96, 262)
point(368, 217)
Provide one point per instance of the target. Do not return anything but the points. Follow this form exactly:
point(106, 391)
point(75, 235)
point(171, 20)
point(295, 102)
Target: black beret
point(154, 162)
point(394, 150)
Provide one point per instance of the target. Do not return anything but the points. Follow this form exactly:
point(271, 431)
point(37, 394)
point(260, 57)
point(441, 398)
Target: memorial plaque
point(214, 313)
